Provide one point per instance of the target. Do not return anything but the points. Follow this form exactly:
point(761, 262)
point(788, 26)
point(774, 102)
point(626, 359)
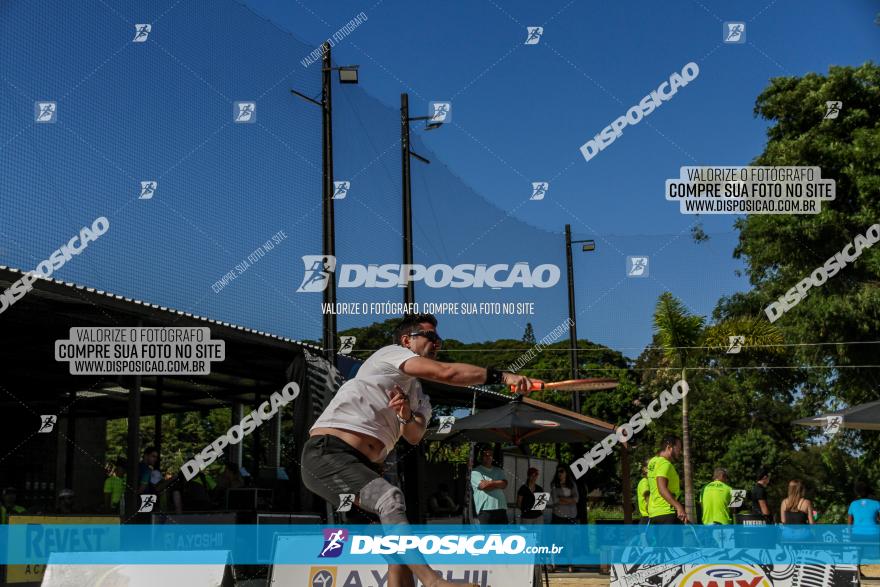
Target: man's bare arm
point(460, 374)
point(451, 373)
point(415, 430)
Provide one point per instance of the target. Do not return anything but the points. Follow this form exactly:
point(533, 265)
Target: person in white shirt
point(368, 415)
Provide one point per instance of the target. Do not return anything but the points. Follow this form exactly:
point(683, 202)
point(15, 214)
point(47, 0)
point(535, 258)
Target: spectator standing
point(664, 484)
point(525, 499)
point(796, 508)
point(488, 483)
point(864, 513)
point(760, 504)
point(564, 496)
point(864, 517)
point(148, 463)
point(716, 499)
point(114, 489)
point(8, 507)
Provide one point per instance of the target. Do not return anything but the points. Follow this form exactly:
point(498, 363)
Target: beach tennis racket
point(593, 384)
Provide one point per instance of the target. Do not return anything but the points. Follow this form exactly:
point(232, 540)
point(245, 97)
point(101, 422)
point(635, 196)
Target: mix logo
point(334, 541)
point(735, 344)
point(346, 344)
point(539, 190)
point(147, 503)
point(346, 500)
point(45, 112)
point(141, 32)
point(725, 576)
point(340, 189)
point(446, 423)
point(322, 577)
point(440, 112)
point(47, 423)
point(637, 266)
point(832, 109)
point(244, 112)
point(542, 498)
point(533, 36)
point(148, 189)
point(734, 32)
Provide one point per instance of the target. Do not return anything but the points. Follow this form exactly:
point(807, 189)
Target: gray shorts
point(331, 466)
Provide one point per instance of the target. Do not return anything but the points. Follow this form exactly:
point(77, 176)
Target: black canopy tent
point(862, 417)
point(524, 420)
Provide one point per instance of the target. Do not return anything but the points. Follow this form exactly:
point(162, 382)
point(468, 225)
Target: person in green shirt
point(8, 507)
point(114, 487)
point(715, 499)
point(643, 494)
point(664, 485)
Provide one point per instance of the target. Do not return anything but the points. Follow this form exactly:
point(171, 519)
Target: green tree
point(679, 333)
point(529, 334)
point(747, 453)
point(837, 322)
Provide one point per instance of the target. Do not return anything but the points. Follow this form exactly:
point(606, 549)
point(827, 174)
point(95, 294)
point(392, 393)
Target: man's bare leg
point(402, 576)
point(387, 501)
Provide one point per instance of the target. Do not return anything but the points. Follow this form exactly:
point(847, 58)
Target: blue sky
point(520, 112)
point(162, 110)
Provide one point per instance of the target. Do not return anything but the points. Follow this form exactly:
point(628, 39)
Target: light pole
point(588, 245)
point(409, 295)
point(348, 74)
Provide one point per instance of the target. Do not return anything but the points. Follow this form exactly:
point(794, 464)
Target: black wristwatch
point(494, 376)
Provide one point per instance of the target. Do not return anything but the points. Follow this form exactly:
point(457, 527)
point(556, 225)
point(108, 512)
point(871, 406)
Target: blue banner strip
point(22, 544)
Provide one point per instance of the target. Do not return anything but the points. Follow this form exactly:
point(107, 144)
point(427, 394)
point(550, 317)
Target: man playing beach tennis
point(368, 415)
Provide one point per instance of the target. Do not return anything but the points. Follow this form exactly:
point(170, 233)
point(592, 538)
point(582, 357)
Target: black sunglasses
point(429, 334)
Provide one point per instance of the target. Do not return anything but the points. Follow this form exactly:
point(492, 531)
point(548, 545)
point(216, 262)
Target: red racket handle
point(536, 386)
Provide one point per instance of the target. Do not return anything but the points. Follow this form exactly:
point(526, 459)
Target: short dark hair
point(669, 440)
point(150, 449)
point(409, 322)
point(762, 472)
point(862, 490)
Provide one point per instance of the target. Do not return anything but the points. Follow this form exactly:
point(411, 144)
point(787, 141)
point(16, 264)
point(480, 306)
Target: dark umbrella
point(863, 416)
point(525, 420)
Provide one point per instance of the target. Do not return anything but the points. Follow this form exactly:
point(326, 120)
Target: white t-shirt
point(361, 404)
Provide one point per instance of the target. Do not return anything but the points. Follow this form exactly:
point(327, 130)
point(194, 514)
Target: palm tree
point(679, 334)
point(683, 337)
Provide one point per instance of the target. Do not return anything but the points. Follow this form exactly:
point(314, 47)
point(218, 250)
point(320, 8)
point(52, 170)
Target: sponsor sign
point(42, 540)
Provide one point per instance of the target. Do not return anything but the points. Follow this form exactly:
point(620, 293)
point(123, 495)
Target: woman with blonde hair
point(796, 509)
